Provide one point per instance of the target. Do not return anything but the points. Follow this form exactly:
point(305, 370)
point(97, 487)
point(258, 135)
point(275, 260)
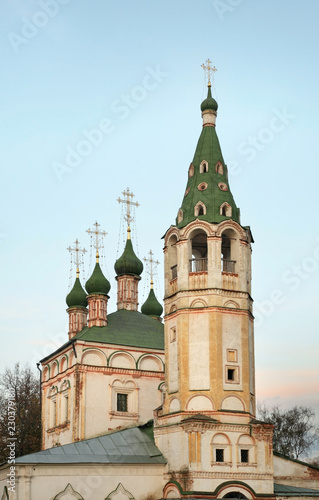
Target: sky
point(99, 96)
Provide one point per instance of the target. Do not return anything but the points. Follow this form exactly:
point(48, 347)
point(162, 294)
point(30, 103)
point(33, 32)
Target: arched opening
point(234, 494)
point(200, 209)
point(228, 251)
point(198, 261)
point(191, 170)
point(203, 167)
point(180, 215)
point(226, 210)
point(219, 168)
point(172, 257)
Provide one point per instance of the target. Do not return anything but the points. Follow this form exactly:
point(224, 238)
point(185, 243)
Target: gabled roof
point(129, 446)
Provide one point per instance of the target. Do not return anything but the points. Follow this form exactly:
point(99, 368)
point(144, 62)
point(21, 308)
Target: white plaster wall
point(172, 359)
point(92, 481)
point(199, 352)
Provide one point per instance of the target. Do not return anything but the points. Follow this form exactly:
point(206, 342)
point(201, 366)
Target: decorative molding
point(120, 489)
point(223, 475)
point(68, 491)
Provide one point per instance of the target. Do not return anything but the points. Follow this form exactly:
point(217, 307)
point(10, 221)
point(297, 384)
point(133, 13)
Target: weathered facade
point(101, 389)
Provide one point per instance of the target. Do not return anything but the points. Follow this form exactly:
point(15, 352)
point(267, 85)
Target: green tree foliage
point(294, 432)
point(20, 418)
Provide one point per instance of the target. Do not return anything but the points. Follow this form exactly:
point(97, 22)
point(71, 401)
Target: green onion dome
point(77, 296)
point(97, 283)
point(128, 263)
point(209, 102)
point(151, 306)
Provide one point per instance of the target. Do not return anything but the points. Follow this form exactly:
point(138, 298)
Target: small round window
point(202, 186)
point(223, 186)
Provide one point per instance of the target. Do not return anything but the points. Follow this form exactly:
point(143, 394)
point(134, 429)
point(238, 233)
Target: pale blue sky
point(91, 62)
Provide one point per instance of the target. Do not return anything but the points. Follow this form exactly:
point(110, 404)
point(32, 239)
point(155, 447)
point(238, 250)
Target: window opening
point(219, 168)
point(201, 210)
point(66, 402)
point(173, 334)
point(231, 374)
point(219, 455)
point(228, 264)
point(198, 262)
point(244, 456)
point(54, 414)
point(121, 402)
point(224, 210)
point(203, 168)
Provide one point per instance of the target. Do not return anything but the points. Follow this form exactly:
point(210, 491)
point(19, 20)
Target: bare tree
point(294, 431)
point(20, 418)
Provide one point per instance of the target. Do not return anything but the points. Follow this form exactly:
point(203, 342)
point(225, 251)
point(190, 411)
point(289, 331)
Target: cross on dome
point(128, 200)
point(151, 263)
point(99, 235)
point(77, 251)
point(208, 69)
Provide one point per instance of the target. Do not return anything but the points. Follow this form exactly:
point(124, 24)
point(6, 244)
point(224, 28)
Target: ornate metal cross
point(77, 251)
point(128, 200)
point(99, 235)
point(150, 262)
point(208, 69)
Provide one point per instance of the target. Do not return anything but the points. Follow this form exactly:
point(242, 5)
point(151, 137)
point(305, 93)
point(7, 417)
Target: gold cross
point(150, 262)
point(77, 251)
point(99, 235)
point(128, 200)
point(208, 68)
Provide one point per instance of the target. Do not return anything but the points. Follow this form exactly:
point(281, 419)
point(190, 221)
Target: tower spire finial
point(77, 251)
point(151, 263)
point(128, 200)
point(99, 235)
point(208, 69)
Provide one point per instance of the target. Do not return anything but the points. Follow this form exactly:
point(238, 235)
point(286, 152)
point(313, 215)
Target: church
point(137, 408)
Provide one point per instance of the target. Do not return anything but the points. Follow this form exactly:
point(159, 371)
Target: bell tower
point(206, 427)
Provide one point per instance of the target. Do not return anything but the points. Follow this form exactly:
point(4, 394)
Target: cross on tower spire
point(151, 263)
point(208, 69)
point(128, 200)
point(77, 251)
point(99, 235)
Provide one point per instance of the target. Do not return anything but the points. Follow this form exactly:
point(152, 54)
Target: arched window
point(198, 261)
point(221, 450)
point(200, 209)
point(191, 170)
point(219, 168)
point(180, 215)
point(225, 209)
point(246, 450)
point(229, 251)
point(203, 167)
point(172, 257)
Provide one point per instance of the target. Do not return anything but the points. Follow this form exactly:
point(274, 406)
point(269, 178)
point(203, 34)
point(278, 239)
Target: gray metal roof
point(129, 446)
point(294, 491)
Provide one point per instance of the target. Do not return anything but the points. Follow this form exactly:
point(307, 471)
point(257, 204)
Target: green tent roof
point(211, 186)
